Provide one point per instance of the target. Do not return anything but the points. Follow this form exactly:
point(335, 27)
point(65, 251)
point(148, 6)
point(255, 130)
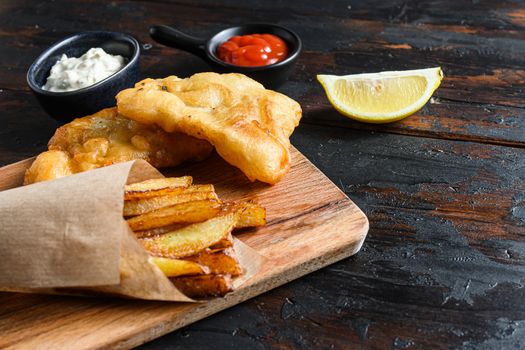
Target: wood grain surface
point(443, 265)
point(310, 224)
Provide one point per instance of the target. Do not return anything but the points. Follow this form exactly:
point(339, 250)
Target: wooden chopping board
point(311, 224)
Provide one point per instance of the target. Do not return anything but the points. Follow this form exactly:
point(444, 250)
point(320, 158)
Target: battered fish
point(248, 125)
point(105, 138)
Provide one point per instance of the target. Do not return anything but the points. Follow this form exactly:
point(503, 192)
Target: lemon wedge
point(381, 97)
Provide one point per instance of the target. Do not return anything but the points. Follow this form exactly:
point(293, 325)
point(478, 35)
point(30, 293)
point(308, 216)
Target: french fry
point(176, 267)
point(191, 239)
point(156, 187)
point(222, 244)
point(152, 232)
point(182, 213)
point(249, 214)
point(220, 262)
point(204, 285)
point(146, 205)
point(187, 231)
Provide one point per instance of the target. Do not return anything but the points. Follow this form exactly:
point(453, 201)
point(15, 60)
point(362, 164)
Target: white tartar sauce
point(72, 73)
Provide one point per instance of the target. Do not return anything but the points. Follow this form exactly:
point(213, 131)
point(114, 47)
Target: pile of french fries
point(187, 230)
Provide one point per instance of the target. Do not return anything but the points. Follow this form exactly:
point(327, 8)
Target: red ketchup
point(253, 50)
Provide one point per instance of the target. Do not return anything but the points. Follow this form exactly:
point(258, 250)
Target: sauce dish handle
point(172, 37)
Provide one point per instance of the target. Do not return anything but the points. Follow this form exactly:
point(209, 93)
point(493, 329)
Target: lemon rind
point(432, 75)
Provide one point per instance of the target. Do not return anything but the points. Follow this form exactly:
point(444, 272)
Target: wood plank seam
point(419, 134)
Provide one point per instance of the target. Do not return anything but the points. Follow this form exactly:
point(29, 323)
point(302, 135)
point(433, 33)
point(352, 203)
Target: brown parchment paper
point(68, 236)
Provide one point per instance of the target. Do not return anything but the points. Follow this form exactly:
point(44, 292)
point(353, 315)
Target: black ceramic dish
point(270, 76)
point(65, 106)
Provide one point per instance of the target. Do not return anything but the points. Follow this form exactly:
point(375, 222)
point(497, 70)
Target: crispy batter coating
point(248, 125)
point(105, 138)
point(49, 165)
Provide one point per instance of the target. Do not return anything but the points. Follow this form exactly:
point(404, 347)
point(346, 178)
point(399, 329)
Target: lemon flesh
point(381, 97)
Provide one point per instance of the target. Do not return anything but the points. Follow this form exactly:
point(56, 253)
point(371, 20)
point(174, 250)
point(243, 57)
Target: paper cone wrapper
point(68, 236)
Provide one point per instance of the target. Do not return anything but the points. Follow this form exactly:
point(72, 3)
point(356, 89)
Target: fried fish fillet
point(248, 125)
point(105, 138)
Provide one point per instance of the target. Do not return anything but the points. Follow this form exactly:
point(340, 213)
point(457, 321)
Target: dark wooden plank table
point(444, 190)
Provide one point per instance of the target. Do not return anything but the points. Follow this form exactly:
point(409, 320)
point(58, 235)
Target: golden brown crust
point(204, 285)
point(105, 138)
point(248, 125)
point(49, 165)
point(220, 262)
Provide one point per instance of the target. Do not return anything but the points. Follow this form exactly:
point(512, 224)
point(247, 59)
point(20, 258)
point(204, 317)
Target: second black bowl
point(270, 76)
point(65, 106)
